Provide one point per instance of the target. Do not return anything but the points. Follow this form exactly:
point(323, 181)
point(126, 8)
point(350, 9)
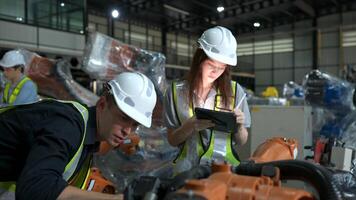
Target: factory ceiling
point(193, 16)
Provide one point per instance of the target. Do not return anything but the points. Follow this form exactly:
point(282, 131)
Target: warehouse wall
point(17, 35)
point(336, 48)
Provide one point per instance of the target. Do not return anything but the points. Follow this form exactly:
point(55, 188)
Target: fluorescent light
point(63, 4)
point(115, 13)
point(220, 8)
point(256, 24)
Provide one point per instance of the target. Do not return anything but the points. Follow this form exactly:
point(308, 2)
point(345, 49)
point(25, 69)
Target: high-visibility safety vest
point(10, 98)
point(220, 144)
point(79, 180)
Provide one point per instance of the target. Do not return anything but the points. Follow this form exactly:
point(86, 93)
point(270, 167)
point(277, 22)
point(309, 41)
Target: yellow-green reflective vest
point(209, 152)
point(10, 98)
point(78, 180)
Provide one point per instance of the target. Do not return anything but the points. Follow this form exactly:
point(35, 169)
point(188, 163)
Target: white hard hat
point(11, 59)
point(219, 44)
point(135, 95)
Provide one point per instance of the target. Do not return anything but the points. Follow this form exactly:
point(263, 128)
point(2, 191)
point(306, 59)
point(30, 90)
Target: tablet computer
point(224, 121)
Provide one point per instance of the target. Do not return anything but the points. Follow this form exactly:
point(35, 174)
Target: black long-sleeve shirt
point(36, 143)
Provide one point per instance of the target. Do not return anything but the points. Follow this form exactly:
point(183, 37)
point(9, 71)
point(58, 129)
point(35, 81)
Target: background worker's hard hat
point(135, 95)
point(12, 59)
point(219, 44)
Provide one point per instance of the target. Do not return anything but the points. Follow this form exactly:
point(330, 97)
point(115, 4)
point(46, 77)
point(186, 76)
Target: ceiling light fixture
point(220, 8)
point(115, 13)
point(256, 24)
point(63, 4)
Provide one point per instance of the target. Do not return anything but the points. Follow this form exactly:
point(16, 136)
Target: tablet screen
point(224, 121)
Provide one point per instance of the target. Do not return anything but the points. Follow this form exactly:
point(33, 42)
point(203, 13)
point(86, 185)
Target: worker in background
point(208, 86)
point(19, 89)
point(47, 147)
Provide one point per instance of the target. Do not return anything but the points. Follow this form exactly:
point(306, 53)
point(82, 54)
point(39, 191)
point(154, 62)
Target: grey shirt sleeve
point(170, 113)
point(244, 106)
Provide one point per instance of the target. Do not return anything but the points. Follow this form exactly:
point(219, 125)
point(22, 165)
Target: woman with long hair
point(208, 86)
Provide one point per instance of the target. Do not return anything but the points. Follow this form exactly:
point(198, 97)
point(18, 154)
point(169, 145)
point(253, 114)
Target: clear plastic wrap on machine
point(329, 92)
point(292, 90)
point(53, 79)
point(153, 157)
point(104, 57)
point(348, 127)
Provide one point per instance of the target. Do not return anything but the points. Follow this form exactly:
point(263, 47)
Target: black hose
point(316, 175)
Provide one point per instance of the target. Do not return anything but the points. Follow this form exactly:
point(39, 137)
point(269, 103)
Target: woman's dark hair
point(108, 95)
point(194, 78)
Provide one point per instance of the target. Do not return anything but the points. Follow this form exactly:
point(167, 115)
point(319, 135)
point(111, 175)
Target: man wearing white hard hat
point(47, 147)
point(19, 89)
point(208, 86)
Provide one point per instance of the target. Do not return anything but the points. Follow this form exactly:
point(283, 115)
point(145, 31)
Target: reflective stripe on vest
point(181, 117)
point(73, 163)
point(81, 178)
point(220, 145)
point(10, 99)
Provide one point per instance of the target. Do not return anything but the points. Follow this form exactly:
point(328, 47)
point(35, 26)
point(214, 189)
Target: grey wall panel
point(330, 39)
point(245, 59)
point(120, 34)
point(328, 21)
point(284, 60)
point(263, 77)
point(282, 76)
point(15, 35)
point(245, 63)
point(300, 74)
point(97, 19)
point(121, 25)
point(303, 58)
point(302, 42)
point(263, 61)
point(302, 25)
point(329, 56)
point(18, 32)
point(154, 32)
point(334, 70)
point(348, 18)
point(52, 38)
point(283, 28)
point(350, 55)
point(102, 29)
point(138, 29)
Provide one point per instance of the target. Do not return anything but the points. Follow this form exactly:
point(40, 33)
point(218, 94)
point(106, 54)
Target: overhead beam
point(287, 13)
point(336, 2)
point(203, 5)
point(308, 9)
point(245, 14)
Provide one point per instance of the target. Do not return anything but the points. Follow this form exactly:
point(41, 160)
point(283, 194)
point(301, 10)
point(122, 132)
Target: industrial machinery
point(258, 178)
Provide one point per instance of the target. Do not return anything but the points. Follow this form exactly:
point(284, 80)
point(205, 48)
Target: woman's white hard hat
point(135, 95)
point(219, 44)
